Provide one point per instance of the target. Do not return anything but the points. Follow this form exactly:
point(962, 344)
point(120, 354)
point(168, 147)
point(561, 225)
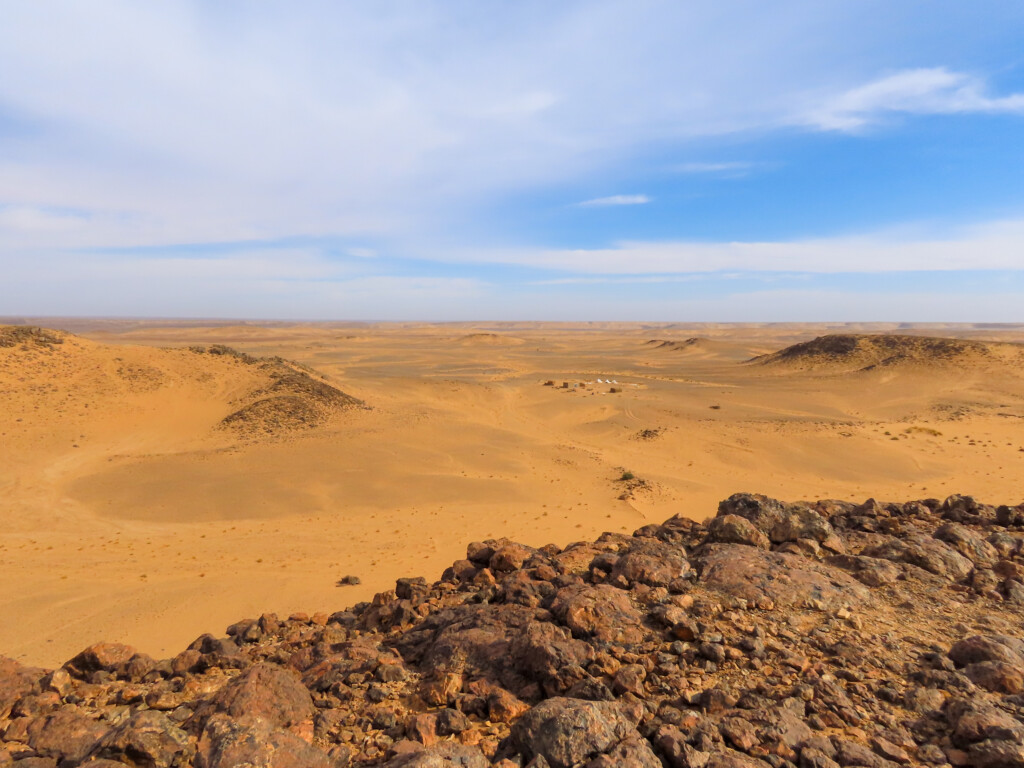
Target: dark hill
point(858, 351)
point(295, 398)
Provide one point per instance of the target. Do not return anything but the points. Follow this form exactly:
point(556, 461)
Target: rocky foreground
point(811, 634)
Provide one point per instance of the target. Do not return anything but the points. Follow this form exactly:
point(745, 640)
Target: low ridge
point(29, 336)
point(775, 634)
point(844, 352)
point(489, 339)
point(296, 398)
point(674, 345)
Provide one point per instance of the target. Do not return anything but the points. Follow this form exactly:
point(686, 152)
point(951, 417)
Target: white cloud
point(286, 283)
point(724, 168)
point(993, 246)
point(599, 202)
point(192, 122)
point(392, 124)
point(936, 91)
point(33, 220)
point(361, 252)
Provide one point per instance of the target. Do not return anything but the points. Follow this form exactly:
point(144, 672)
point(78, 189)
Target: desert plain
point(163, 479)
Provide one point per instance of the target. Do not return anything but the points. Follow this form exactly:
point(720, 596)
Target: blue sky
point(496, 160)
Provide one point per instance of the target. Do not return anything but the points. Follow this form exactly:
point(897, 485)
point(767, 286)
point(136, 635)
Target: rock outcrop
point(811, 634)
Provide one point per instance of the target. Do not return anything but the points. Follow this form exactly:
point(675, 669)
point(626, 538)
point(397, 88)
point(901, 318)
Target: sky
point(450, 160)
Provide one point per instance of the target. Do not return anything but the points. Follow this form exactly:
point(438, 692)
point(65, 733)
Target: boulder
point(541, 649)
point(872, 571)
point(65, 735)
point(566, 732)
point(148, 739)
point(15, 681)
point(269, 693)
point(854, 753)
point(653, 563)
point(101, 657)
point(996, 754)
point(601, 612)
point(473, 640)
point(996, 676)
point(926, 553)
point(228, 742)
point(510, 557)
point(446, 755)
point(969, 544)
point(634, 752)
point(800, 522)
point(733, 529)
point(967, 509)
point(973, 721)
point(762, 511)
point(786, 580)
point(980, 648)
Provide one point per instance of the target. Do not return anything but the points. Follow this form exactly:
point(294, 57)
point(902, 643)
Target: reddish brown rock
point(271, 694)
point(797, 522)
point(974, 721)
point(653, 563)
point(101, 657)
point(423, 728)
point(601, 612)
point(673, 747)
point(15, 681)
point(566, 732)
point(872, 571)
point(65, 735)
point(996, 754)
point(782, 658)
point(634, 752)
point(968, 543)
point(229, 742)
point(967, 509)
point(733, 529)
point(996, 676)
point(926, 553)
point(738, 733)
point(503, 707)
point(472, 641)
point(979, 648)
point(762, 511)
point(446, 755)
point(541, 649)
point(783, 579)
point(509, 557)
point(148, 739)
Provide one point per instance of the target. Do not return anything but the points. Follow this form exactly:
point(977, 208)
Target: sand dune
point(131, 513)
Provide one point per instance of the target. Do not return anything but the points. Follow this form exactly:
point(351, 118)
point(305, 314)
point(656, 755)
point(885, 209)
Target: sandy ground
point(128, 514)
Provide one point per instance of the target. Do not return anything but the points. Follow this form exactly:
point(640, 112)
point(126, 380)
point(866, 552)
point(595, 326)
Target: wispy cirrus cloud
point(601, 202)
point(732, 168)
point(160, 123)
point(934, 91)
point(992, 246)
point(392, 136)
